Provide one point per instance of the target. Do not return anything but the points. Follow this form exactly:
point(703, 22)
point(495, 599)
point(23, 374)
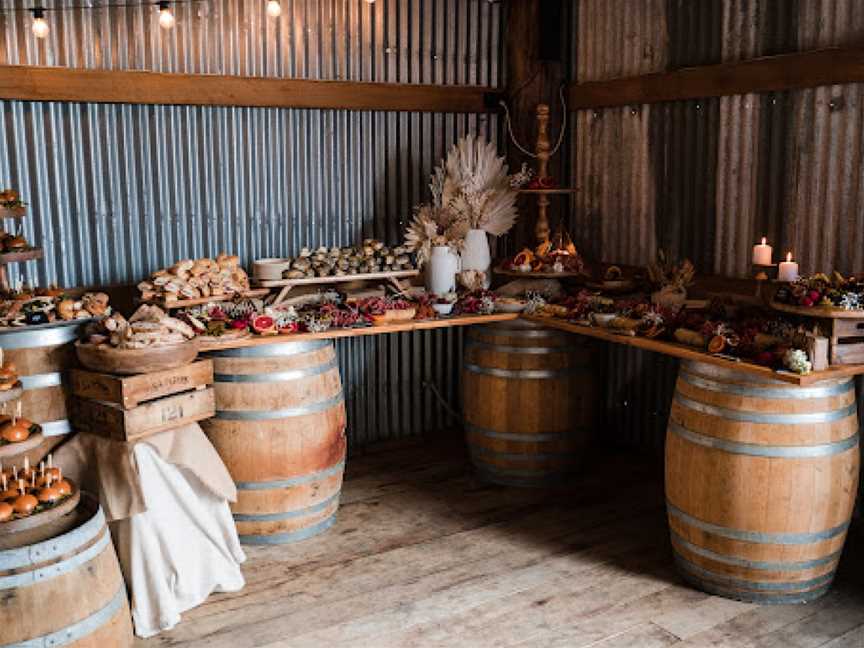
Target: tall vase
point(441, 270)
point(475, 254)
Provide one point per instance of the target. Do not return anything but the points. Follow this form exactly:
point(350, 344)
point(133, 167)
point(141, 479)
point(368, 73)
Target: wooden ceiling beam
point(767, 74)
point(30, 83)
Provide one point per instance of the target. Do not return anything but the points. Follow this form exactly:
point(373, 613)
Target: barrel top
point(711, 371)
point(41, 335)
point(62, 544)
point(274, 350)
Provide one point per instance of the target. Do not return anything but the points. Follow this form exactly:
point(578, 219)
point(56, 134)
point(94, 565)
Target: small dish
point(443, 309)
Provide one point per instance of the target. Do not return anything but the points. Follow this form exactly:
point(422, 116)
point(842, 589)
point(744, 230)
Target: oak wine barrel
point(66, 591)
point(761, 477)
point(532, 396)
point(41, 356)
point(280, 429)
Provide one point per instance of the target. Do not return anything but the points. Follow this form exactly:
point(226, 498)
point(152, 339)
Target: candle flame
point(764, 240)
point(788, 256)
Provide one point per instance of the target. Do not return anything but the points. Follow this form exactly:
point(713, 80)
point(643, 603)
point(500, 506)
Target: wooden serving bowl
point(127, 362)
point(39, 526)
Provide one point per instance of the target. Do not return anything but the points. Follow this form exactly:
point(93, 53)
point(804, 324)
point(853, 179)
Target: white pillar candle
point(762, 253)
point(788, 270)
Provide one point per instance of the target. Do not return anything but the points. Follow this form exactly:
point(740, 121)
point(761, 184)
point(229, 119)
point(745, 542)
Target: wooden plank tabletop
point(400, 327)
point(689, 353)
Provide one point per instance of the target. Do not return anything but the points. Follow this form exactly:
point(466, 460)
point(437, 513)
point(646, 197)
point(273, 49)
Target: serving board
point(538, 275)
point(110, 420)
point(188, 303)
point(130, 391)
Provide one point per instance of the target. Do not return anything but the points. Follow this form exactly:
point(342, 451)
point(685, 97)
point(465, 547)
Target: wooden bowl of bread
point(148, 341)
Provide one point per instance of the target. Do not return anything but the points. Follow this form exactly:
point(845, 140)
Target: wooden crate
point(130, 391)
point(111, 420)
point(847, 341)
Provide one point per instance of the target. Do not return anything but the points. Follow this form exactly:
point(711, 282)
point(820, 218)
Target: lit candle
point(788, 270)
point(762, 253)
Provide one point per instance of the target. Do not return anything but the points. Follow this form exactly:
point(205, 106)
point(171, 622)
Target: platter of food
point(372, 257)
point(150, 340)
point(173, 304)
point(31, 497)
point(195, 281)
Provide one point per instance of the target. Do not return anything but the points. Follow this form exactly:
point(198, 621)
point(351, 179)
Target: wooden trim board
point(401, 327)
point(689, 353)
point(766, 74)
point(32, 83)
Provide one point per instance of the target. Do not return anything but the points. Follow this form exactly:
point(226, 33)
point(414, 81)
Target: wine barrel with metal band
point(66, 591)
point(280, 429)
point(531, 398)
point(761, 477)
point(41, 357)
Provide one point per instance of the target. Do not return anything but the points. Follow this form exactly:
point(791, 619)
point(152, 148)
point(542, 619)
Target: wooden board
point(538, 275)
point(187, 303)
point(20, 255)
point(818, 311)
point(766, 74)
point(9, 452)
point(689, 353)
point(31, 83)
point(130, 391)
point(547, 192)
point(402, 327)
point(112, 421)
point(321, 281)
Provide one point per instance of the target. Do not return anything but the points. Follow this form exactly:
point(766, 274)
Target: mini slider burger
point(8, 377)
point(25, 503)
point(50, 494)
point(18, 430)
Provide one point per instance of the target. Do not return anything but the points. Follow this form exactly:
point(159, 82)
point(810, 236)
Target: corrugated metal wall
point(117, 191)
point(705, 178)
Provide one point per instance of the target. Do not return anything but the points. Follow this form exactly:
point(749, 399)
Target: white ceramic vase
point(441, 270)
point(475, 254)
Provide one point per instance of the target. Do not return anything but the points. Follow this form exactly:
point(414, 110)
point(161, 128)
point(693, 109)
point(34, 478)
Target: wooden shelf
point(401, 327)
point(818, 311)
point(547, 192)
point(18, 212)
point(21, 255)
point(538, 275)
point(333, 279)
point(689, 353)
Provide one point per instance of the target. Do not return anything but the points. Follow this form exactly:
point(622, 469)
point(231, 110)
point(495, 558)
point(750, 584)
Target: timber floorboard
point(424, 554)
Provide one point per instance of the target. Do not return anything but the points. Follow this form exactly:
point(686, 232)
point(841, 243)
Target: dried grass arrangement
point(471, 189)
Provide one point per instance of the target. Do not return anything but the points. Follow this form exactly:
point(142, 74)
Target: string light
point(40, 27)
point(274, 9)
point(166, 18)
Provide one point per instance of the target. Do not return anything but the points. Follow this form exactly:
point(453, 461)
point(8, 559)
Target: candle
point(762, 253)
point(788, 270)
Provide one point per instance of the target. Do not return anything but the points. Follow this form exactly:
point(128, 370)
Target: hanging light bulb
point(40, 27)
point(274, 9)
point(166, 18)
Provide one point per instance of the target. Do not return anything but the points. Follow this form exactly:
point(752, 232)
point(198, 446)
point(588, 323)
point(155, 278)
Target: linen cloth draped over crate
point(166, 499)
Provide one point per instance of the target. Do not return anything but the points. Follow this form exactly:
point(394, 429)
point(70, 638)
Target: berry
point(807, 302)
point(815, 295)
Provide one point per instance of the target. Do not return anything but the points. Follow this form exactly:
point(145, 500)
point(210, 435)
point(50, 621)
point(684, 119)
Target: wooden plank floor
point(425, 555)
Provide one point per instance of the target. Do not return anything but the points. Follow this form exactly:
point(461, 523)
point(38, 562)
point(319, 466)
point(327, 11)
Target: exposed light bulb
point(40, 27)
point(166, 18)
point(274, 9)
point(370, 1)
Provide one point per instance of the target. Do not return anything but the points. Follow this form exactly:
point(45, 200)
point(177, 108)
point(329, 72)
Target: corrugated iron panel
point(117, 191)
point(718, 173)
